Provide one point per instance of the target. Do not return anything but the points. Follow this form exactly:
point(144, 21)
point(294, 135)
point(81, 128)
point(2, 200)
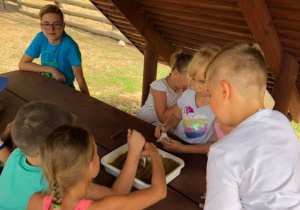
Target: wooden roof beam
point(259, 20)
point(146, 29)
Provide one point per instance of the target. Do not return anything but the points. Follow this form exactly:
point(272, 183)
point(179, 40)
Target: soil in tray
point(145, 174)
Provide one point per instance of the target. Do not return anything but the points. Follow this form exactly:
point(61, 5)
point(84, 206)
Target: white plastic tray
point(138, 183)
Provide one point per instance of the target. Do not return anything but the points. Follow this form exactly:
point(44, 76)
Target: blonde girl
point(193, 119)
point(69, 160)
point(165, 92)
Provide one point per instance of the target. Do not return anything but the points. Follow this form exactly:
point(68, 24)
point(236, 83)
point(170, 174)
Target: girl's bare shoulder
point(36, 201)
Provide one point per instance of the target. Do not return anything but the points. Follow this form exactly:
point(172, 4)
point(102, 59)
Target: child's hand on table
point(171, 145)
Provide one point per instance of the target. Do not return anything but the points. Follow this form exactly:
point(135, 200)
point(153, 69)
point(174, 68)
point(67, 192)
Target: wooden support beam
point(150, 70)
point(133, 14)
point(294, 107)
point(286, 78)
point(259, 20)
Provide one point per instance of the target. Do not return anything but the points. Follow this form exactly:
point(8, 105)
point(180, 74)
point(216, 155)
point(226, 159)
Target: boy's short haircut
point(201, 58)
point(50, 8)
point(34, 122)
point(243, 64)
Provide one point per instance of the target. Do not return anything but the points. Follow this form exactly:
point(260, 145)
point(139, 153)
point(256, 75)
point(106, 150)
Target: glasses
point(54, 25)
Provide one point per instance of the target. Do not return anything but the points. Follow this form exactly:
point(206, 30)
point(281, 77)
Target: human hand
point(5, 135)
point(135, 141)
point(181, 90)
point(171, 145)
point(201, 205)
point(60, 77)
point(149, 150)
point(159, 130)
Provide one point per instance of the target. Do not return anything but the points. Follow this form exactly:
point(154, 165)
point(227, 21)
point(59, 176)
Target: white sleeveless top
point(147, 112)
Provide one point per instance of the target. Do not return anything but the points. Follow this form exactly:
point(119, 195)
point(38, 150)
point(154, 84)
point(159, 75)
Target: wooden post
point(150, 70)
point(294, 110)
point(285, 83)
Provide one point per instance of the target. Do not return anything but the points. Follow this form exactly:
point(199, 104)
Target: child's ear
point(93, 172)
point(91, 168)
point(175, 73)
point(225, 89)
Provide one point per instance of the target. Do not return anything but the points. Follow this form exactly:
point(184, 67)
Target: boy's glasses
point(54, 25)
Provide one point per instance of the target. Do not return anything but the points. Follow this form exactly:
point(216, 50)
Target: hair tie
point(57, 206)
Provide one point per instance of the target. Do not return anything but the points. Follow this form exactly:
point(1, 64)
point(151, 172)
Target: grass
point(296, 127)
point(113, 73)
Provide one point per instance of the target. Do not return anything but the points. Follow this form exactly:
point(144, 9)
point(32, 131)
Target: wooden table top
point(105, 120)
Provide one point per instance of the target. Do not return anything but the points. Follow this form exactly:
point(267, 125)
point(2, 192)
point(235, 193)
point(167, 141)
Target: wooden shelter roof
point(168, 25)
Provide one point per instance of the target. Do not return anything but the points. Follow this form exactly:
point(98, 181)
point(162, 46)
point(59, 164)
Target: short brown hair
point(50, 8)
point(241, 63)
point(33, 123)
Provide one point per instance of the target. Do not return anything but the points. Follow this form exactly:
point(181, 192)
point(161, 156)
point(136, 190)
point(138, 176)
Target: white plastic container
point(110, 157)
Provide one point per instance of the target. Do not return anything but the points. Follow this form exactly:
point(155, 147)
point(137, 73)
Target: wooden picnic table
point(104, 120)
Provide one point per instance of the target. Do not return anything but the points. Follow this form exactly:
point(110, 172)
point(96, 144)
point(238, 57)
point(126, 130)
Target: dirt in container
point(145, 174)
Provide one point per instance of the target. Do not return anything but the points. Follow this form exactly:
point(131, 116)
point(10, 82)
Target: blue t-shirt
point(197, 123)
point(19, 181)
point(62, 56)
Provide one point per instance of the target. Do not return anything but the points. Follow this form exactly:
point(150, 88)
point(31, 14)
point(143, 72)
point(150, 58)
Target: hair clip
point(56, 206)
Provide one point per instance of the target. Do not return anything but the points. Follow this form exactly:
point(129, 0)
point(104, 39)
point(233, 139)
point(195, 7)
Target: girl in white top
point(165, 92)
point(193, 119)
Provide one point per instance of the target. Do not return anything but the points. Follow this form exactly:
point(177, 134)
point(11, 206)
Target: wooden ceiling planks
point(200, 19)
point(146, 29)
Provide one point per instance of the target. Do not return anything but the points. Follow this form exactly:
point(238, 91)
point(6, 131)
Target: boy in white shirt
point(257, 165)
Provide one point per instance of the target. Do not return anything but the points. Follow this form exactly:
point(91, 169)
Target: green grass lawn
point(296, 127)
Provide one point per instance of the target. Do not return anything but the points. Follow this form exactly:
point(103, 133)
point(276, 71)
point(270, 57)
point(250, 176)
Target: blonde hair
point(50, 8)
point(180, 61)
point(201, 58)
point(243, 64)
point(65, 158)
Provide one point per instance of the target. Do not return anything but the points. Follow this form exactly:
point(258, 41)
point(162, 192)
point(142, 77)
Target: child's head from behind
point(197, 66)
point(68, 155)
point(179, 63)
point(237, 74)
point(33, 123)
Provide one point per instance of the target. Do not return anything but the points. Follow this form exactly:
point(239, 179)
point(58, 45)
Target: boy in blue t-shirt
point(22, 176)
point(60, 55)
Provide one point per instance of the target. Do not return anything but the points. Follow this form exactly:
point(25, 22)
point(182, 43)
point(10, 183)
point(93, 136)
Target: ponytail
point(180, 61)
